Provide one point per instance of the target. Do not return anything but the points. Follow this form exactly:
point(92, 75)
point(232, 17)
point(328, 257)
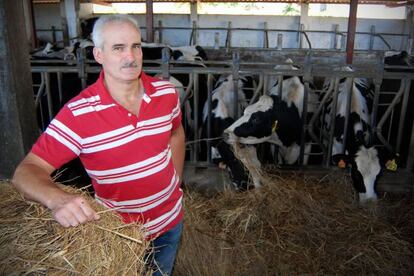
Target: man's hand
point(32, 179)
point(72, 211)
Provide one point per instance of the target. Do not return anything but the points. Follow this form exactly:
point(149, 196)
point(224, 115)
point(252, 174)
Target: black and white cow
point(276, 119)
point(355, 148)
point(221, 117)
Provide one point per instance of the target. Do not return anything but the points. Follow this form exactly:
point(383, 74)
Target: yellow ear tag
point(391, 165)
point(274, 126)
point(341, 164)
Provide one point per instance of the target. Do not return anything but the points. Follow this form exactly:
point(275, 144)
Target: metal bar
point(194, 32)
point(160, 32)
point(335, 36)
point(372, 38)
point(410, 158)
point(279, 41)
point(333, 115)
point(209, 98)
point(228, 37)
point(265, 36)
point(165, 63)
point(196, 119)
point(236, 68)
point(387, 113)
point(403, 113)
point(350, 90)
point(60, 88)
point(49, 97)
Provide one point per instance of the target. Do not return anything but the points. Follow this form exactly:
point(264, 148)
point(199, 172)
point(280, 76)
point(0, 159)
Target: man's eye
point(117, 48)
point(137, 46)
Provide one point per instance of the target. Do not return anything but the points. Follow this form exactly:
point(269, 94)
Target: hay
point(33, 243)
point(295, 225)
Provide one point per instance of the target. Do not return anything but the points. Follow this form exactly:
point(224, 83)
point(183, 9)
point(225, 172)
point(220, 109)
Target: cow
point(274, 118)
point(222, 115)
point(354, 146)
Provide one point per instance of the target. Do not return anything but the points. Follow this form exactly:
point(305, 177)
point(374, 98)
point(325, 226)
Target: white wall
point(48, 15)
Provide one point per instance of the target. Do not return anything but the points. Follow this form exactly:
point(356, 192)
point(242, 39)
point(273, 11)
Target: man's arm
point(32, 179)
point(177, 142)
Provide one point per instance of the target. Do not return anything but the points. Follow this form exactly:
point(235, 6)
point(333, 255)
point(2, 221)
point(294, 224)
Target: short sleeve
point(60, 142)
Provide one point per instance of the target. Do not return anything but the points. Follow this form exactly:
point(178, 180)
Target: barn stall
point(306, 218)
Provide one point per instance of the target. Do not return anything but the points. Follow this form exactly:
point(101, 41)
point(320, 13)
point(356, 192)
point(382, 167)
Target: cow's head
point(366, 167)
point(257, 125)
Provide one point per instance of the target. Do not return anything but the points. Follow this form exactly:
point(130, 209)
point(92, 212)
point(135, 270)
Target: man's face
point(121, 54)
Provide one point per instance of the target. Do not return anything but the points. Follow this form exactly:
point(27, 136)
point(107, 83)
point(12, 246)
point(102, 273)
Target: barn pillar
point(72, 18)
point(30, 23)
point(17, 112)
point(350, 39)
point(149, 20)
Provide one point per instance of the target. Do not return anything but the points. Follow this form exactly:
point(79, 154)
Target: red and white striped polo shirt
point(128, 157)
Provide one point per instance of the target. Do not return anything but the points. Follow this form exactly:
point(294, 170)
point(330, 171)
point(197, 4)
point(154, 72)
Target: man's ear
point(97, 54)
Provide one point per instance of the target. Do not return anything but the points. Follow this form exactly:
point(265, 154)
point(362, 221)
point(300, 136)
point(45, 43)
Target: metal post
point(228, 37)
point(165, 63)
point(80, 53)
point(333, 115)
point(160, 30)
point(301, 29)
point(195, 33)
point(335, 36)
point(236, 67)
point(196, 107)
point(216, 40)
point(372, 38)
point(209, 97)
point(403, 113)
point(265, 36)
point(279, 41)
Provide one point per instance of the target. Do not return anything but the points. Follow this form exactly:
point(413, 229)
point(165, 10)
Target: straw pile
point(295, 225)
point(31, 242)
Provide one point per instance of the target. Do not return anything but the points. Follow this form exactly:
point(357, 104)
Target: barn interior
point(306, 218)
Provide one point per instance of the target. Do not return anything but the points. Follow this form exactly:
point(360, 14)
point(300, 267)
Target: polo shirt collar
point(107, 98)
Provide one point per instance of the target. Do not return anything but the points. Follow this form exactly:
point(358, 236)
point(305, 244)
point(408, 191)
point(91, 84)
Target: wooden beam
point(350, 39)
point(17, 110)
point(150, 21)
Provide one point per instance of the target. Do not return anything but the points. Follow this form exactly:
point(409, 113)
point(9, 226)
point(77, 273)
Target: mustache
point(132, 64)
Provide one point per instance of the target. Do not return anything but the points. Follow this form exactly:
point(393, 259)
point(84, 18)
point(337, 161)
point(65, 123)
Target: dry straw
point(296, 224)
point(32, 243)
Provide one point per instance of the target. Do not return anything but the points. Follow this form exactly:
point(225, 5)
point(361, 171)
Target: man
point(126, 129)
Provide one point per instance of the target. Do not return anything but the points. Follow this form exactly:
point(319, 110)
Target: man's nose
point(129, 54)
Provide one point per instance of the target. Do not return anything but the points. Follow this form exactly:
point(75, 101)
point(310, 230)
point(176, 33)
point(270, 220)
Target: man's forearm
point(32, 179)
point(177, 142)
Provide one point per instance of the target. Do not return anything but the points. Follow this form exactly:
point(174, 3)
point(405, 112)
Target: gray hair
point(106, 19)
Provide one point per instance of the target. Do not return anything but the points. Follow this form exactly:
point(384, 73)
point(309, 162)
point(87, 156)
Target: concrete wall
point(48, 15)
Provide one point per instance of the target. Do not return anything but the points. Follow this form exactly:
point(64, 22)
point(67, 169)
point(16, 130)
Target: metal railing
point(260, 64)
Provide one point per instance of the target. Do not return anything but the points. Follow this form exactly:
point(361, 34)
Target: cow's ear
point(341, 160)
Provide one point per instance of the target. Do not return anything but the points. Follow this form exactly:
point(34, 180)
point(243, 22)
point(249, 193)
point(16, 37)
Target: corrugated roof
point(387, 2)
